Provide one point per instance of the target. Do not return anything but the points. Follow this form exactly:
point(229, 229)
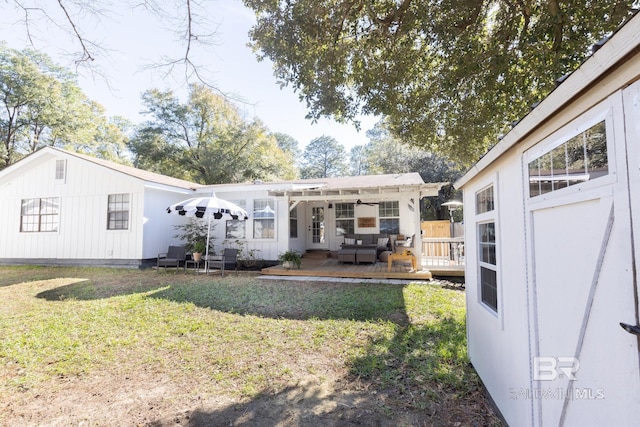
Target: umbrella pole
point(206, 251)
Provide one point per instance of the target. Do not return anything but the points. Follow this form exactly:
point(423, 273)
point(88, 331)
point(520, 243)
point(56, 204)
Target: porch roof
point(342, 188)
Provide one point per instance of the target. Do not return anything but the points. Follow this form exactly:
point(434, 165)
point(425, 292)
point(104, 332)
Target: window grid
point(60, 169)
point(40, 215)
point(263, 219)
point(345, 218)
point(118, 212)
point(236, 228)
point(389, 213)
point(581, 158)
point(487, 249)
point(484, 200)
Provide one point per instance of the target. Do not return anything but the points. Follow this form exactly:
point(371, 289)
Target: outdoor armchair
point(229, 259)
point(172, 258)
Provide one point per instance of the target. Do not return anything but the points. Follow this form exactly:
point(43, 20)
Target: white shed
point(552, 226)
point(66, 208)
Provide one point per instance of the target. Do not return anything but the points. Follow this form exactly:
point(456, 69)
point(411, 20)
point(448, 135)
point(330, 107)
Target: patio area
point(323, 264)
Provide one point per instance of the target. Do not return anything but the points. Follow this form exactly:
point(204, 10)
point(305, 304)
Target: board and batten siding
point(83, 195)
point(267, 249)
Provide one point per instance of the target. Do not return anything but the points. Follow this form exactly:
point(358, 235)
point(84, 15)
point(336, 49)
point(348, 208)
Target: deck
point(324, 265)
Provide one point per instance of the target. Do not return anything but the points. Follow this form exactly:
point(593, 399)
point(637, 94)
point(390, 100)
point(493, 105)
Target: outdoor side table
point(194, 263)
point(401, 257)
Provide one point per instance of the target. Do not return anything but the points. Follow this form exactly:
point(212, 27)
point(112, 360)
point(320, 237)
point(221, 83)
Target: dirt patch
point(146, 400)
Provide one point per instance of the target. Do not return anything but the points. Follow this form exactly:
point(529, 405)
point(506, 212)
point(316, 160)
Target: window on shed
point(345, 219)
point(264, 215)
point(40, 215)
point(580, 159)
point(487, 247)
point(236, 228)
point(389, 213)
point(118, 212)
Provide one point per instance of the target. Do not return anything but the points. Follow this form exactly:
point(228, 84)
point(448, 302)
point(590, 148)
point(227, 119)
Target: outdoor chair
point(402, 245)
point(172, 258)
point(229, 259)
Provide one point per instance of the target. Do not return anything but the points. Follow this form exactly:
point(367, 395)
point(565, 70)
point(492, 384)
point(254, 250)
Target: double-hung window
point(118, 212)
point(389, 213)
point(236, 228)
point(345, 219)
point(264, 218)
point(293, 223)
point(487, 249)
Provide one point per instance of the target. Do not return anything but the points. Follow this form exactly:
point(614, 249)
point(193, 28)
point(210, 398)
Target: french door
point(317, 226)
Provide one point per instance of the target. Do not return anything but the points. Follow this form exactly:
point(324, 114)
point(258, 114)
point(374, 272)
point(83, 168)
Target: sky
point(133, 40)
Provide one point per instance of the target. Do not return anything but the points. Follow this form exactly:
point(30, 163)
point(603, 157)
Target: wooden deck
point(330, 267)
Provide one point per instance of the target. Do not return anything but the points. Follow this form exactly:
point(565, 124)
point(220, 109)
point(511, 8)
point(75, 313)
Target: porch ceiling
point(319, 193)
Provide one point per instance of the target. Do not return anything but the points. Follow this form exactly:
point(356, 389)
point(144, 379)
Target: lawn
point(123, 347)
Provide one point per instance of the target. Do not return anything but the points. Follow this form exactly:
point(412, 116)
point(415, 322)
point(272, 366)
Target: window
point(118, 212)
point(293, 223)
point(484, 201)
point(236, 228)
point(60, 169)
point(345, 219)
point(487, 258)
point(264, 216)
point(582, 158)
point(389, 213)
point(40, 215)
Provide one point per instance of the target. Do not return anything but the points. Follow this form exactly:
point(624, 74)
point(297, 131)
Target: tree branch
point(86, 55)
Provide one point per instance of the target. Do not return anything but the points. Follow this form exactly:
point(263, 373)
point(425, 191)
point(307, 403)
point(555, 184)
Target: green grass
point(240, 336)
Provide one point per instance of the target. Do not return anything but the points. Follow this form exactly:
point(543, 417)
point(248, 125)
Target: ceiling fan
point(360, 202)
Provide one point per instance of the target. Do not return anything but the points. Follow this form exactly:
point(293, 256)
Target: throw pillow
point(348, 241)
point(382, 242)
point(358, 242)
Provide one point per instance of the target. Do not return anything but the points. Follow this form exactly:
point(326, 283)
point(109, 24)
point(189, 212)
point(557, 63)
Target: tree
point(43, 105)
point(358, 160)
point(450, 76)
point(324, 157)
point(205, 140)
point(289, 145)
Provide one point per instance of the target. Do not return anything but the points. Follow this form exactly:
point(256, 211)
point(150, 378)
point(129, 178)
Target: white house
point(61, 208)
point(66, 208)
point(313, 214)
point(552, 222)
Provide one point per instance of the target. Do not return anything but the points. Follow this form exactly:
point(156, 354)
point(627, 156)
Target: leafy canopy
point(41, 104)
point(449, 76)
point(206, 140)
point(324, 157)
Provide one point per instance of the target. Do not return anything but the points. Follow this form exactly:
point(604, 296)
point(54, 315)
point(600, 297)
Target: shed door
point(585, 367)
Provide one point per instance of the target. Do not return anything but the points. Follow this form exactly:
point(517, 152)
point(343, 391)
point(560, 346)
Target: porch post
point(417, 246)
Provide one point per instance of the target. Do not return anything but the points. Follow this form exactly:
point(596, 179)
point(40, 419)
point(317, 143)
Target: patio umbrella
point(209, 207)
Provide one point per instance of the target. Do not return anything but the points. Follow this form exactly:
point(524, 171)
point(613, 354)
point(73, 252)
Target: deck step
point(317, 254)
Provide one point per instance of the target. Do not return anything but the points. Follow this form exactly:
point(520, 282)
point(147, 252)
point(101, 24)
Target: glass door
point(316, 230)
